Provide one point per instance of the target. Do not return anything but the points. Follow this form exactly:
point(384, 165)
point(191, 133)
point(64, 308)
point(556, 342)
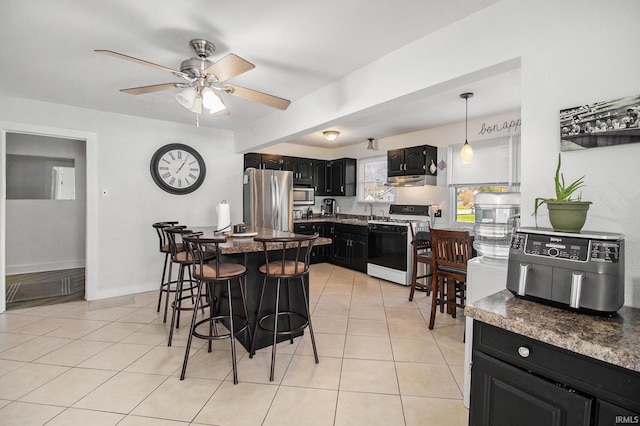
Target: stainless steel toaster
point(578, 271)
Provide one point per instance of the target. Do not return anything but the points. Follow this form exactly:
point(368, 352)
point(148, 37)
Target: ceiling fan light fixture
point(197, 105)
point(466, 153)
point(211, 100)
point(186, 97)
point(331, 135)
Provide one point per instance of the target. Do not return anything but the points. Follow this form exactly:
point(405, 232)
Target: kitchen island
point(532, 362)
point(244, 250)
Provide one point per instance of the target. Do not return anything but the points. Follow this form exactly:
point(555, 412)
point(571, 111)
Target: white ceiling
point(47, 53)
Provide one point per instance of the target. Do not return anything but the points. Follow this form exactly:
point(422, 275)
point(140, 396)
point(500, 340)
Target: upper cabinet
point(336, 177)
point(302, 169)
point(262, 161)
point(411, 161)
point(333, 178)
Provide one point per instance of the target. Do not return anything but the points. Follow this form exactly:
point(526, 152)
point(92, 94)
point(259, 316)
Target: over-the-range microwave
point(303, 196)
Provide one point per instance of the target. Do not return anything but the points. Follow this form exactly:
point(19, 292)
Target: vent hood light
point(412, 180)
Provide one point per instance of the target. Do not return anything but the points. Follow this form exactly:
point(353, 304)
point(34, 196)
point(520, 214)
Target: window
point(495, 168)
point(464, 196)
point(372, 175)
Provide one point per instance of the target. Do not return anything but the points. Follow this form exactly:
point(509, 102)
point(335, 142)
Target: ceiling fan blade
point(255, 96)
point(229, 67)
point(140, 61)
point(150, 89)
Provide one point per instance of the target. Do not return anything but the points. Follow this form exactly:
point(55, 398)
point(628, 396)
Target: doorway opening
point(48, 241)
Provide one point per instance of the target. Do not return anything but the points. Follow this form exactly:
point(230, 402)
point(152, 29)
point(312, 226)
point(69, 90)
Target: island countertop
point(246, 244)
point(614, 340)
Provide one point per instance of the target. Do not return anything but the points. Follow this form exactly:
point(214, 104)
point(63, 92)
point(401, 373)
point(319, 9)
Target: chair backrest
point(289, 256)
point(162, 236)
point(198, 248)
point(175, 236)
point(417, 227)
point(451, 249)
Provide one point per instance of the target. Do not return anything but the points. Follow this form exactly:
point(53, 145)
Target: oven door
point(388, 246)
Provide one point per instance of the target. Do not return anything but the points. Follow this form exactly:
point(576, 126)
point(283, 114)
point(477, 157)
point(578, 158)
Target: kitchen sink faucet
point(370, 211)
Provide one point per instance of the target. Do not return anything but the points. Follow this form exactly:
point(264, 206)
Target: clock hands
point(183, 163)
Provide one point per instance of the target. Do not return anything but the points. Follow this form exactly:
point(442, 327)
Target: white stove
point(390, 252)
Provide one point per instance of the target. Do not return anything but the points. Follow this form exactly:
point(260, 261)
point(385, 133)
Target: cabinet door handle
point(523, 351)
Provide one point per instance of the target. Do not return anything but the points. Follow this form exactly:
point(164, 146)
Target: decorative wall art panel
point(600, 124)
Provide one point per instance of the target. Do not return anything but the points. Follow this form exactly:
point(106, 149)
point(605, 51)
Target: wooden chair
point(421, 245)
point(287, 261)
point(451, 250)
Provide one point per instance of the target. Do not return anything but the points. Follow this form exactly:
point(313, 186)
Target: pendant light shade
point(466, 153)
point(370, 145)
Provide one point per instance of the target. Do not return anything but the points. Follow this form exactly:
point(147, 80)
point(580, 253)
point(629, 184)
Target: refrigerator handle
point(275, 193)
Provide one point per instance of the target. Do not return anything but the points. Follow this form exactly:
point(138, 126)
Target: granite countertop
point(347, 219)
point(614, 340)
point(236, 245)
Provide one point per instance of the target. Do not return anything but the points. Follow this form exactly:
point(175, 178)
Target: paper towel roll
point(224, 217)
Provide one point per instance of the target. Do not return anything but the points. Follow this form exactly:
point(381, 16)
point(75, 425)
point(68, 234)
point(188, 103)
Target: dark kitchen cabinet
point(518, 380)
point(302, 168)
point(350, 246)
point(262, 161)
point(415, 160)
point(324, 229)
point(320, 171)
point(340, 177)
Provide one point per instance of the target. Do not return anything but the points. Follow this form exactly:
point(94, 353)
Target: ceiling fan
point(204, 80)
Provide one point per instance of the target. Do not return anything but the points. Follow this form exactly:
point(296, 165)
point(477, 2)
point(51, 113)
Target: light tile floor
point(67, 364)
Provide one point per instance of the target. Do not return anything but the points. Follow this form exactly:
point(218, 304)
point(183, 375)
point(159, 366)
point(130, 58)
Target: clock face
point(178, 168)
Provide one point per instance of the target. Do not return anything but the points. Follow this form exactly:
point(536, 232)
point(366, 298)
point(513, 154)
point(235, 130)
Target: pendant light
point(370, 145)
point(466, 153)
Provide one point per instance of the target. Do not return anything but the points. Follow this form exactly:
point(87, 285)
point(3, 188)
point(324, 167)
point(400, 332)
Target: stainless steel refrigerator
point(268, 199)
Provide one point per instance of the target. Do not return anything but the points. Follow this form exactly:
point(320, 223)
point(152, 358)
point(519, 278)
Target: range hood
point(411, 180)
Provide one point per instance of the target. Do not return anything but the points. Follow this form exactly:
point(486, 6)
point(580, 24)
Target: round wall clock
point(178, 168)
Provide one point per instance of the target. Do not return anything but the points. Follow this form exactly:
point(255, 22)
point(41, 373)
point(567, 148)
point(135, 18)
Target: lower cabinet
point(322, 253)
point(516, 380)
point(350, 246)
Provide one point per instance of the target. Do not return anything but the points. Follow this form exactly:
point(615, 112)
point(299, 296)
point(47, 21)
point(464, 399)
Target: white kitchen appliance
point(389, 248)
point(268, 199)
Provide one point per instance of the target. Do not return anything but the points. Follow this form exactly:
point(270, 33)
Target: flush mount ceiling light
point(466, 153)
point(370, 146)
point(331, 135)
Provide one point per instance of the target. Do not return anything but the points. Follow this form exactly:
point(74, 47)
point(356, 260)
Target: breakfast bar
point(241, 248)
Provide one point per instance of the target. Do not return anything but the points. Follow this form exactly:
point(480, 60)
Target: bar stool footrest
point(284, 332)
point(245, 326)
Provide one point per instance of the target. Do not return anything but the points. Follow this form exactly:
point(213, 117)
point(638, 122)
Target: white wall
point(126, 248)
point(47, 235)
point(571, 52)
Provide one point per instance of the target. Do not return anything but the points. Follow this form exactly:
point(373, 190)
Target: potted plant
point(567, 213)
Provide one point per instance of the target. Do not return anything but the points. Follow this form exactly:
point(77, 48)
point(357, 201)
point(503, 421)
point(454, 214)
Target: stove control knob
point(523, 351)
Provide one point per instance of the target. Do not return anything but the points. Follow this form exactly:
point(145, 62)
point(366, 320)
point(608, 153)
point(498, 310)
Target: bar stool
point(451, 251)
point(184, 261)
point(165, 286)
point(421, 246)
point(210, 275)
point(286, 260)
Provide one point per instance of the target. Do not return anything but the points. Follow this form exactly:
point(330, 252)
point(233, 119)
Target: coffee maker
point(329, 207)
